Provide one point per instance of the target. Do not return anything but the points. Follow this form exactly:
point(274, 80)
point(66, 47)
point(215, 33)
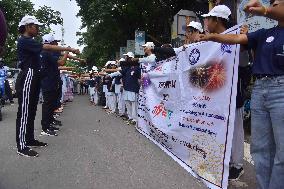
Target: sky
point(71, 23)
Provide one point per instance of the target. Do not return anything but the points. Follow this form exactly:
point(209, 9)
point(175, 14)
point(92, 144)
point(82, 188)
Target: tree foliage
point(110, 23)
point(14, 10)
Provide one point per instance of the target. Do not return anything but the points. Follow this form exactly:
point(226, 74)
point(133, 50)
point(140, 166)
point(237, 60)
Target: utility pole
point(62, 37)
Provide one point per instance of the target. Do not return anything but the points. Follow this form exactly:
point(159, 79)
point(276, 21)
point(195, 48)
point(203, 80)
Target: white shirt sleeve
point(115, 74)
point(178, 50)
point(149, 59)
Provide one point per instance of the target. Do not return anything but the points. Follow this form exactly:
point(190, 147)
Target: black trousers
point(81, 90)
point(59, 95)
point(48, 107)
point(27, 88)
point(8, 91)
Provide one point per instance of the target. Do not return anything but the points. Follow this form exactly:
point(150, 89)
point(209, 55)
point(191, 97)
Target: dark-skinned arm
point(169, 52)
point(63, 59)
point(274, 12)
point(59, 49)
point(241, 39)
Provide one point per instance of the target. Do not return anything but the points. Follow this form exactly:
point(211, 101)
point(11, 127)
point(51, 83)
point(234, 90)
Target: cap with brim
point(220, 11)
point(26, 20)
point(196, 25)
point(49, 38)
point(121, 60)
point(110, 63)
point(129, 54)
point(149, 44)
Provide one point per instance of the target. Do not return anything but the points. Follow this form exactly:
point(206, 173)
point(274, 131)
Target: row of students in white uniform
point(268, 157)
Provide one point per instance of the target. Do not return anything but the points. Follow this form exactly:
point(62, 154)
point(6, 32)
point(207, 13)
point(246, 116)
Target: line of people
point(39, 64)
point(265, 48)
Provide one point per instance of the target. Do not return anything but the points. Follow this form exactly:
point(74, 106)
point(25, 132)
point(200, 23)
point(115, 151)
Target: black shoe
point(27, 152)
point(53, 128)
point(235, 174)
point(57, 122)
point(56, 115)
point(36, 143)
point(132, 122)
point(48, 133)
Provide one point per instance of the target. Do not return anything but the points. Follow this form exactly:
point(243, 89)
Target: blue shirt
point(49, 71)
point(117, 80)
point(28, 51)
point(269, 51)
point(91, 82)
point(131, 76)
point(57, 55)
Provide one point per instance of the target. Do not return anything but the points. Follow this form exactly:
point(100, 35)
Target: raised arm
point(59, 49)
point(225, 38)
point(118, 73)
point(111, 70)
point(275, 11)
point(63, 59)
point(76, 58)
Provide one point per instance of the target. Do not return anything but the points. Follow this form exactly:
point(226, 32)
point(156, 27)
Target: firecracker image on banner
point(187, 107)
point(209, 77)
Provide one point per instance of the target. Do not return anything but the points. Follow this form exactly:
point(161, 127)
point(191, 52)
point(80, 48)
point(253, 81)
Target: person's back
point(3, 31)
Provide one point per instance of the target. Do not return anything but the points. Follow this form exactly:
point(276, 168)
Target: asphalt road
point(93, 151)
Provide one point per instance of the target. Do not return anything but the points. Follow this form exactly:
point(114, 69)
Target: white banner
point(187, 107)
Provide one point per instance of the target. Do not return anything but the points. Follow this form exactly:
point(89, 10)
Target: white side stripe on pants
point(23, 110)
point(25, 107)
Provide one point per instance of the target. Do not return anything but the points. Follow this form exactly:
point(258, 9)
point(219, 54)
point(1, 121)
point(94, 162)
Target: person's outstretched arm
point(275, 11)
point(59, 49)
point(225, 38)
point(169, 52)
point(63, 59)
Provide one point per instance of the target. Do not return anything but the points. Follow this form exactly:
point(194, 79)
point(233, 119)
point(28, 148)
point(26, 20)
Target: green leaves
point(14, 10)
point(110, 23)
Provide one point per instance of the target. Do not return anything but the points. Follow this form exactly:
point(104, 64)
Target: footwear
point(235, 174)
point(48, 133)
point(28, 152)
point(36, 143)
point(52, 128)
point(123, 117)
point(55, 115)
point(105, 107)
point(132, 122)
point(57, 122)
point(128, 122)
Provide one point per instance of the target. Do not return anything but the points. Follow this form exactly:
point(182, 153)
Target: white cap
point(149, 45)
point(121, 60)
point(48, 38)
point(95, 68)
point(110, 63)
point(220, 11)
point(29, 20)
point(196, 25)
point(129, 54)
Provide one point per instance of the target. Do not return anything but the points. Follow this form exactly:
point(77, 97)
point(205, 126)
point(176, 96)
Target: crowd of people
point(39, 64)
point(119, 82)
point(116, 86)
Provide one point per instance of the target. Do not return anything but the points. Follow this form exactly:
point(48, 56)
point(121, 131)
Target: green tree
point(110, 23)
point(14, 10)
